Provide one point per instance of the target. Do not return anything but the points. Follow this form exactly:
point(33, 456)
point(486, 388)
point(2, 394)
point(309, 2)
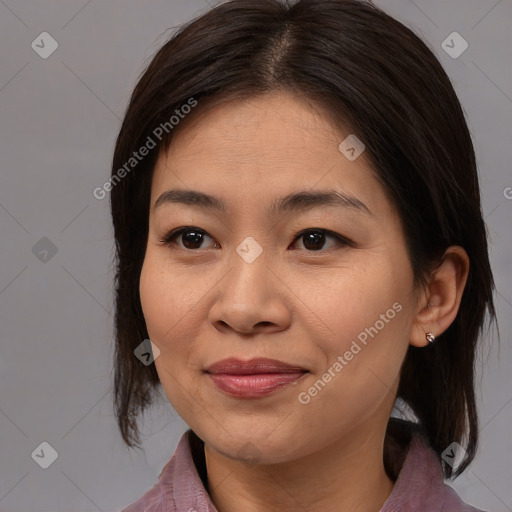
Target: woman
point(299, 234)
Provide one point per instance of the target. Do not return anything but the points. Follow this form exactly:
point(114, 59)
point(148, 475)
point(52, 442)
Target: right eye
point(189, 236)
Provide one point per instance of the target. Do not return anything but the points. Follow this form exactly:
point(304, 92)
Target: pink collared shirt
point(419, 487)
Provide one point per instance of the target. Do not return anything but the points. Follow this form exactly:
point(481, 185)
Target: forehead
point(275, 125)
point(265, 146)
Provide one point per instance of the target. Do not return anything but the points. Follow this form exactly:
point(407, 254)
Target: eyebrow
point(297, 201)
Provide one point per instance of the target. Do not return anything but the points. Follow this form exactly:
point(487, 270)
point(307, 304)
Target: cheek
point(366, 314)
point(167, 300)
point(171, 307)
point(174, 302)
point(364, 301)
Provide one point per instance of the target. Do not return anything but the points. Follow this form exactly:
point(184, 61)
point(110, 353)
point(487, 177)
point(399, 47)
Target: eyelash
point(169, 239)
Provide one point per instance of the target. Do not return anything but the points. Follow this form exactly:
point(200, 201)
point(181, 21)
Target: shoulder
point(179, 487)
point(420, 485)
point(160, 497)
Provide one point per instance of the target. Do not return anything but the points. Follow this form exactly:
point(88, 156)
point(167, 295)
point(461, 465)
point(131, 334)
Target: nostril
point(264, 323)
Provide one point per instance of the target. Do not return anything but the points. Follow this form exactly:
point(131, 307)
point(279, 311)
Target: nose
point(251, 299)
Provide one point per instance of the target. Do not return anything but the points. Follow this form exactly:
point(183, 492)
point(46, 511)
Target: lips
point(253, 379)
point(233, 366)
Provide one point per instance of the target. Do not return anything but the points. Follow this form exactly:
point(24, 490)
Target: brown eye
point(190, 237)
point(314, 239)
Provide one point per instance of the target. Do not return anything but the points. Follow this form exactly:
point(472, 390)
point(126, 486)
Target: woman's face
point(246, 282)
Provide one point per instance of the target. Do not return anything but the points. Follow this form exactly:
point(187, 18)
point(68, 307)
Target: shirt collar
point(419, 486)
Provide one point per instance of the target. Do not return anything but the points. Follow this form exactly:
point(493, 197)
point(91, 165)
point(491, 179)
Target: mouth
point(233, 366)
point(255, 378)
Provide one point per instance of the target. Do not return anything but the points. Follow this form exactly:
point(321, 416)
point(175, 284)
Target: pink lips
point(252, 379)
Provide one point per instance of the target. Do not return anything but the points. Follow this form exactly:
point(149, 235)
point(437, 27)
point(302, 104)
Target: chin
point(253, 447)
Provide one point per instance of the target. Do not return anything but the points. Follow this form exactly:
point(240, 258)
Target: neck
point(339, 477)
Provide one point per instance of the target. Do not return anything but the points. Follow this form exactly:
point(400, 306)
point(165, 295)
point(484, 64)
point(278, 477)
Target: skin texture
point(293, 303)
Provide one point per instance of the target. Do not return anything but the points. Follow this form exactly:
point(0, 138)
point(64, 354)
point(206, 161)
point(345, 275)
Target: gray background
point(59, 117)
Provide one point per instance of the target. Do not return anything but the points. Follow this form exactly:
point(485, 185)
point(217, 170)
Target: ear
point(440, 300)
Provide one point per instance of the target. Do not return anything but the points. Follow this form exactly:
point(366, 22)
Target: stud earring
point(430, 337)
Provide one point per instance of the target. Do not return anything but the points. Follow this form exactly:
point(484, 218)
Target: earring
point(430, 337)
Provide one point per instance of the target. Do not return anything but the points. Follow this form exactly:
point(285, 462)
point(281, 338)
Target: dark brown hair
point(373, 75)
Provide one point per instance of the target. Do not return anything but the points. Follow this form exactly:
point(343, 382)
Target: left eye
point(189, 237)
point(313, 238)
